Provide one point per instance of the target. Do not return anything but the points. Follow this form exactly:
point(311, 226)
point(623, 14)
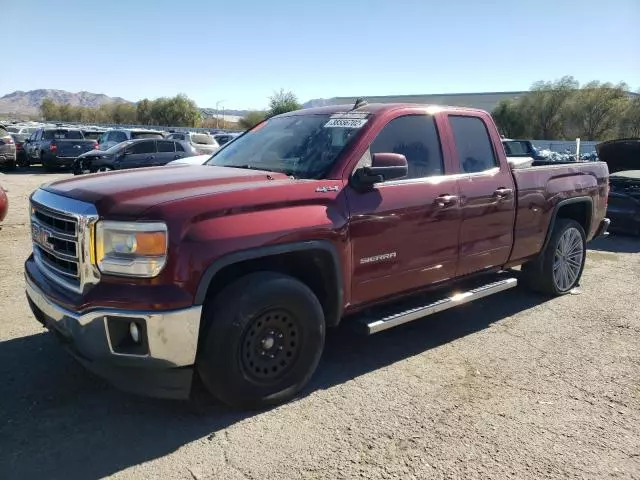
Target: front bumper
point(160, 365)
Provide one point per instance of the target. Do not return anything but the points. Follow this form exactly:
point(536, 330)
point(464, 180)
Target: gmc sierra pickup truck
point(371, 214)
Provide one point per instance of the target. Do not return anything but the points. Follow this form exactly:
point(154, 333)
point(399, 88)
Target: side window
point(473, 144)
point(415, 137)
point(165, 146)
point(118, 137)
point(142, 147)
point(179, 147)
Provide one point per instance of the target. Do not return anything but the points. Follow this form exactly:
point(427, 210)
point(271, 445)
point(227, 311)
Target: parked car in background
point(202, 142)
point(115, 136)
point(7, 150)
point(21, 129)
point(4, 203)
point(520, 149)
point(56, 147)
point(139, 153)
point(19, 139)
point(92, 133)
point(224, 138)
point(623, 158)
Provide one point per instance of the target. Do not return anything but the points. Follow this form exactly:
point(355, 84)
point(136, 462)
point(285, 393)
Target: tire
point(545, 273)
point(22, 160)
point(261, 341)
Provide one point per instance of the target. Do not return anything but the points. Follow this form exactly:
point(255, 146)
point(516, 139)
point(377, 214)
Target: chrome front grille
point(61, 235)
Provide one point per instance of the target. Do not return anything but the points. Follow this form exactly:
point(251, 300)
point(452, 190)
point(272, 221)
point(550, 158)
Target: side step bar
point(404, 316)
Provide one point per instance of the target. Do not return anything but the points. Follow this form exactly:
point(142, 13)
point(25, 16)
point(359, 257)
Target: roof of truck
point(374, 108)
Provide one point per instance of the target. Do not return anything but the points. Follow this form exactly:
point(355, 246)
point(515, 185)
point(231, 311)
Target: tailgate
point(73, 148)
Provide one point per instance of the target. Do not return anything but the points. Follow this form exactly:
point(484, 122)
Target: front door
point(166, 152)
point(487, 196)
point(139, 154)
point(404, 233)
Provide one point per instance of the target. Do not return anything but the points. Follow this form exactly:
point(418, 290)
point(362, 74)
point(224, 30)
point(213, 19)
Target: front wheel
point(559, 267)
point(262, 340)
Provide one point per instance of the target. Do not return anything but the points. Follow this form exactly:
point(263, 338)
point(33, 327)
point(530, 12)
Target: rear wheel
point(262, 340)
point(559, 267)
point(22, 160)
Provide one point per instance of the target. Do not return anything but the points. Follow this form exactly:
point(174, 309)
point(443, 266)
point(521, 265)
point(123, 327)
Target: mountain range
point(22, 103)
point(28, 103)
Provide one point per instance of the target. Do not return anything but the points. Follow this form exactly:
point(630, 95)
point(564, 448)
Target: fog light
point(134, 331)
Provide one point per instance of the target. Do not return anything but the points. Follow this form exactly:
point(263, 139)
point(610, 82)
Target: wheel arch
point(579, 209)
point(316, 263)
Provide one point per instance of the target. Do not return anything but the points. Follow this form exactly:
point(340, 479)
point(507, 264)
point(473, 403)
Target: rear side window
point(118, 137)
point(165, 146)
point(415, 137)
point(142, 147)
point(63, 135)
point(473, 144)
point(179, 147)
point(135, 135)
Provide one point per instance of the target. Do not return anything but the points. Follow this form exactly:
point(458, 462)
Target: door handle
point(446, 200)
point(503, 192)
point(177, 157)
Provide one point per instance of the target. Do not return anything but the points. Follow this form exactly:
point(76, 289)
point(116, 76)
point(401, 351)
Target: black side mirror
point(384, 167)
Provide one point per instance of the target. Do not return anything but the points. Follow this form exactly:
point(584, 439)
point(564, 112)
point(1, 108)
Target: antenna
point(360, 102)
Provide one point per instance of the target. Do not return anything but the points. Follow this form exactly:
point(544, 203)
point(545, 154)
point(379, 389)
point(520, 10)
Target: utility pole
point(218, 112)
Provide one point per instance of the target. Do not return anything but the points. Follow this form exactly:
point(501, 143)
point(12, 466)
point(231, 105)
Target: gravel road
point(512, 386)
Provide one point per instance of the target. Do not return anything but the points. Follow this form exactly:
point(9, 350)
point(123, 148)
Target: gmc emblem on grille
point(42, 237)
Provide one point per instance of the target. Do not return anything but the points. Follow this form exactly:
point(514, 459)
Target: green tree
point(251, 119)
point(544, 107)
point(49, 109)
point(510, 119)
point(629, 125)
point(282, 102)
point(595, 110)
point(143, 112)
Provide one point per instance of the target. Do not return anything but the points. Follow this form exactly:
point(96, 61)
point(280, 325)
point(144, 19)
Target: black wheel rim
point(270, 346)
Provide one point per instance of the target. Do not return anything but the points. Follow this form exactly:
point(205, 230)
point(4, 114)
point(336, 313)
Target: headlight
point(131, 249)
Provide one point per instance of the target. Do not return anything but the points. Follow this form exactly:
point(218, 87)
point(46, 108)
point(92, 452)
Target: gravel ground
point(512, 386)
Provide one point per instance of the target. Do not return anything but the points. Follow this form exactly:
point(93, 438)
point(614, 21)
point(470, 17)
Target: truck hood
point(620, 155)
point(129, 193)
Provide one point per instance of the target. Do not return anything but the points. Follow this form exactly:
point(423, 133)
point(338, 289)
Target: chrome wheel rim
point(567, 260)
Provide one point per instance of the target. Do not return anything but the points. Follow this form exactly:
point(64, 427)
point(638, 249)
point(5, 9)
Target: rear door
point(139, 154)
point(404, 233)
point(166, 152)
point(487, 195)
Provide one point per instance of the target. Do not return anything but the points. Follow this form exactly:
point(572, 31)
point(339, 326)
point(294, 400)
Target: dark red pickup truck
point(371, 214)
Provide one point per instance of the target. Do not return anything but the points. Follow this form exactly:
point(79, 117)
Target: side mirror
point(384, 167)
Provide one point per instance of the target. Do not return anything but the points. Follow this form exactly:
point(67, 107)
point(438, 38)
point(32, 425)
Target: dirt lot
point(513, 386)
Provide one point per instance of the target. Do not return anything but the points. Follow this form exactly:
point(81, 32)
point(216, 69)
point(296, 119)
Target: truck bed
point(540, 189)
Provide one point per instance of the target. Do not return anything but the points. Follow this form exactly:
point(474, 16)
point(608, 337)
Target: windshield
point(304, 146)
point(62, 134)
point(92, 135)
point(136, 135)
point(202, 139)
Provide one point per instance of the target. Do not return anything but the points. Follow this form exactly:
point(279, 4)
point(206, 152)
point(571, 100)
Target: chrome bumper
point(171, 336)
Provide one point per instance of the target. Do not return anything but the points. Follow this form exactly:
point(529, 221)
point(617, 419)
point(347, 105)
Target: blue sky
point(240, 52)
